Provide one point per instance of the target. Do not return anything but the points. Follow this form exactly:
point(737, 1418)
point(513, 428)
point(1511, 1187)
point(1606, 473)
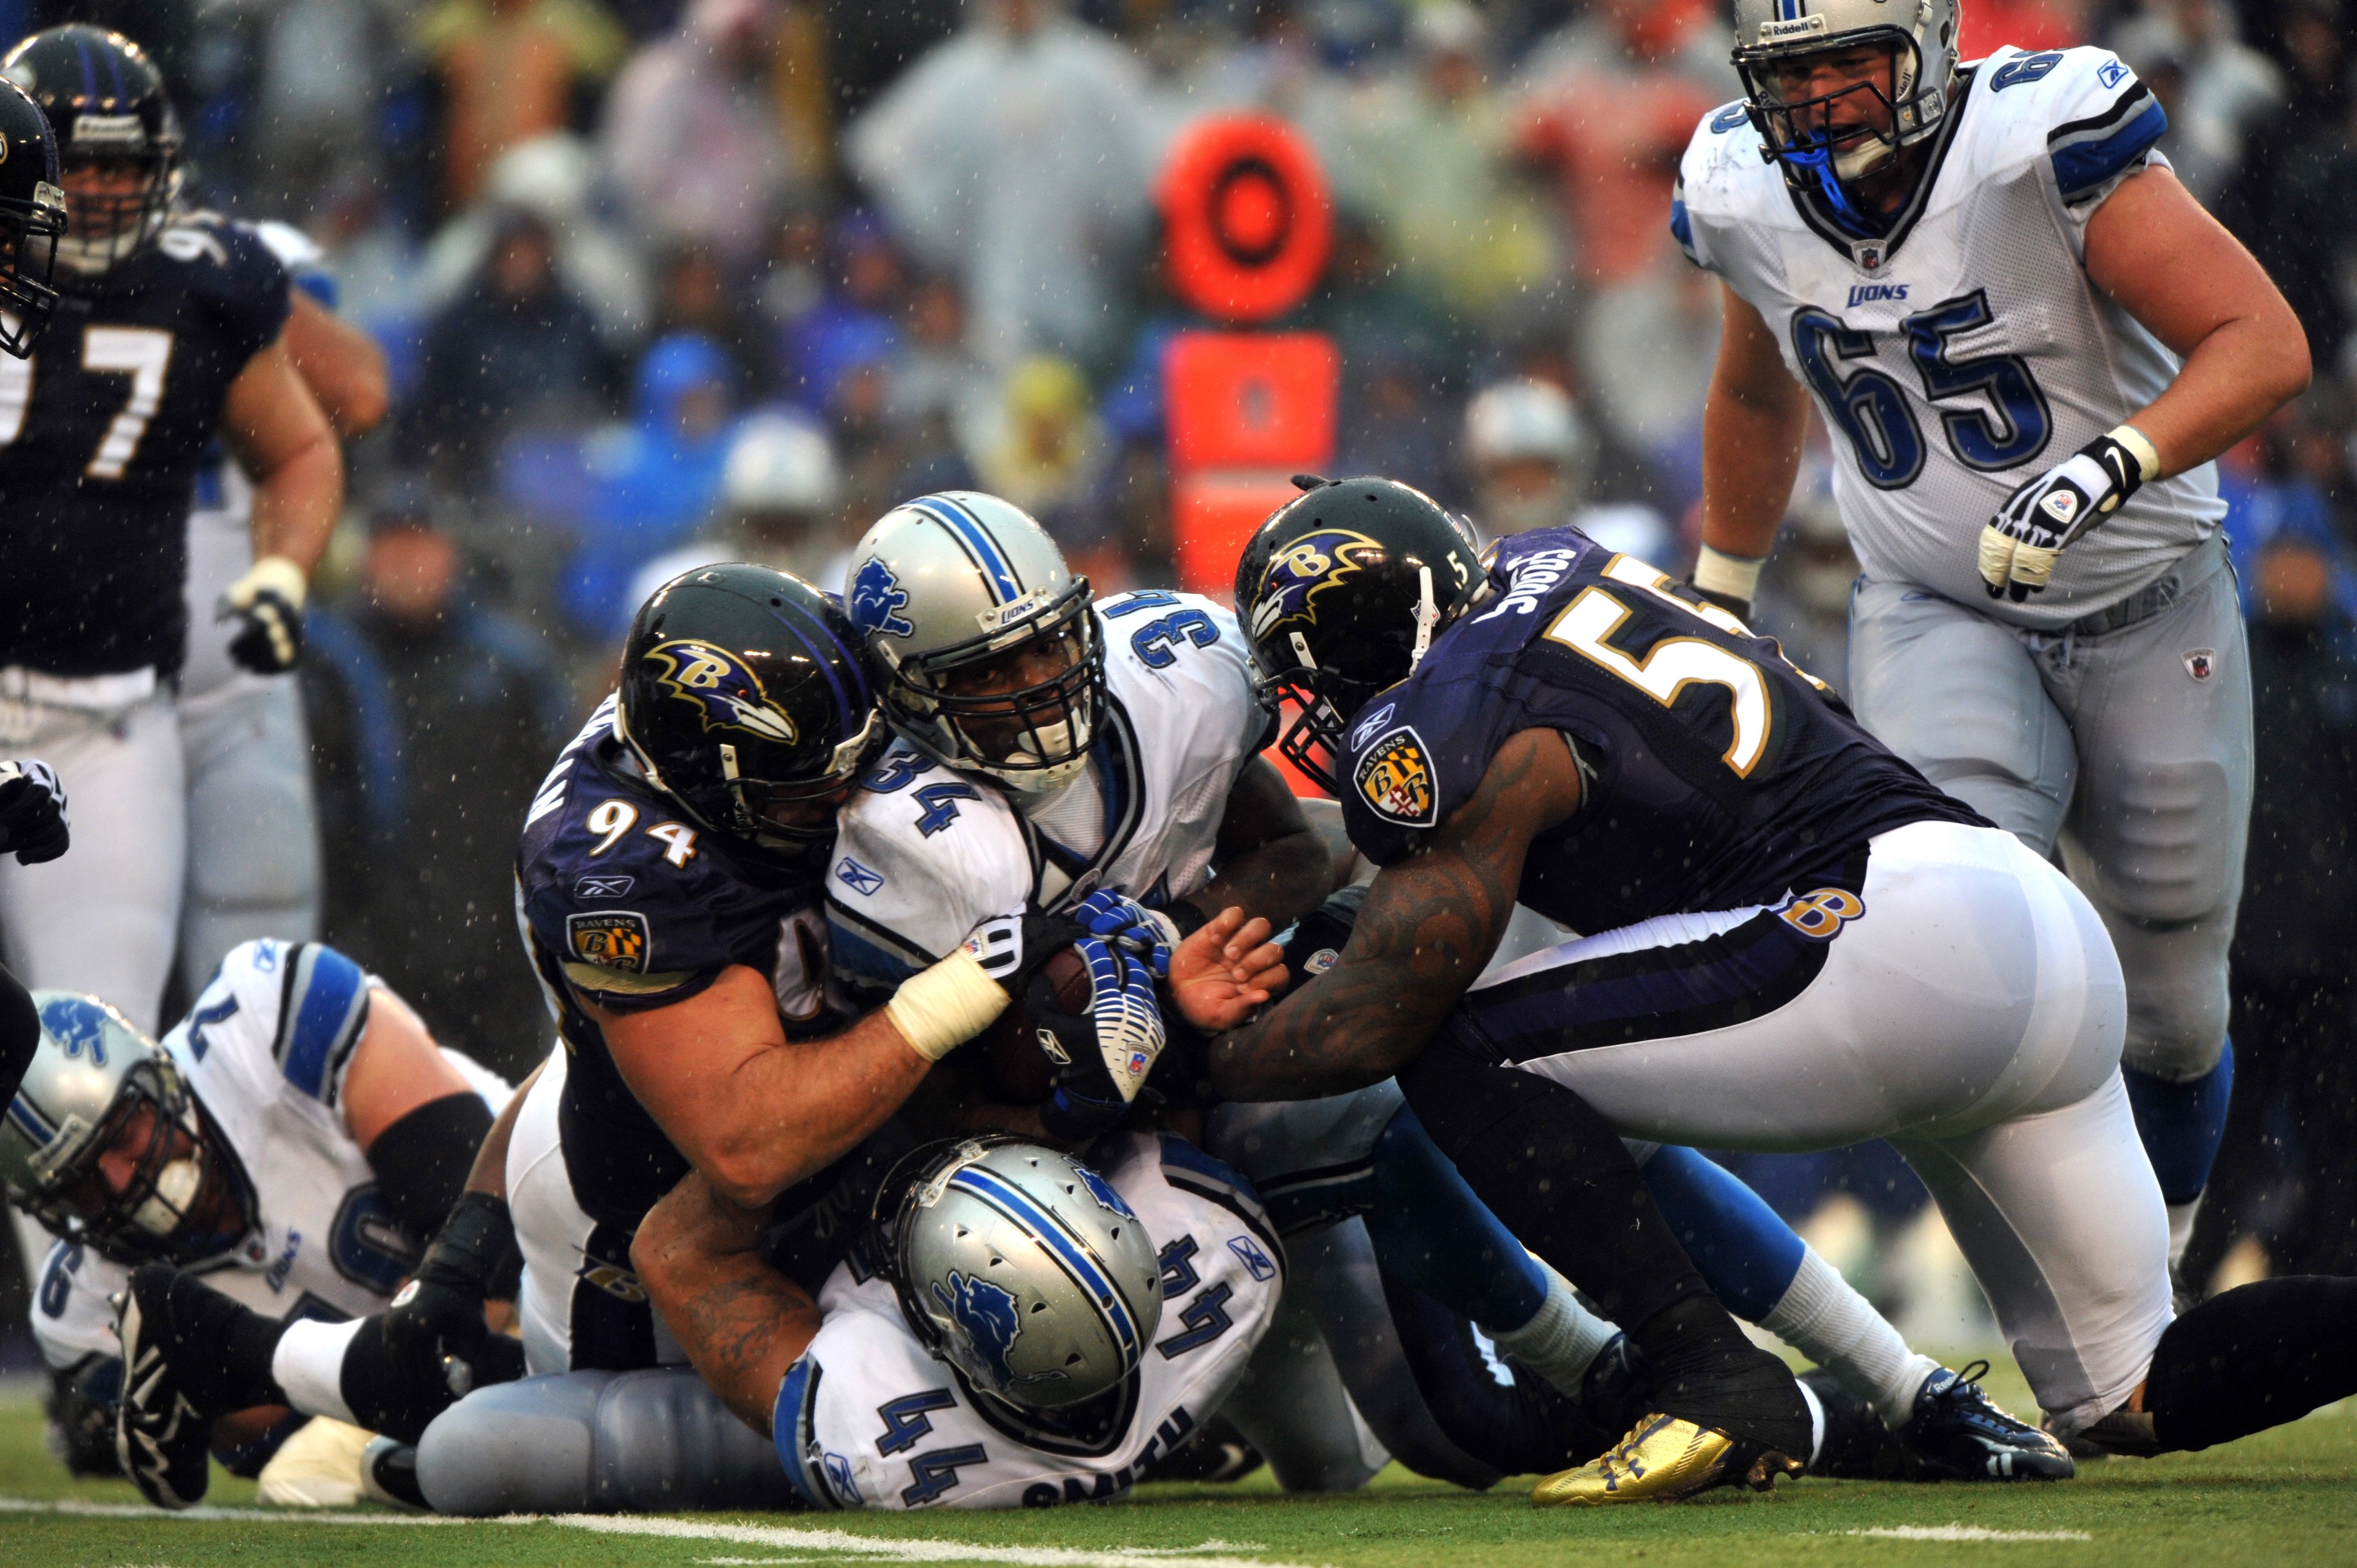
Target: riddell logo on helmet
point(109, 130)
point(1793, 27)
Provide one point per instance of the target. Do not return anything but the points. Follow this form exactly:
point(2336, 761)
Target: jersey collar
point(1060, 878)
point(1872, 254)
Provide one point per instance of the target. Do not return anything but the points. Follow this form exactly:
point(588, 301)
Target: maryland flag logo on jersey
point(1394, 778)
point(1296, 575)
point(725, 694)
point(610, 939)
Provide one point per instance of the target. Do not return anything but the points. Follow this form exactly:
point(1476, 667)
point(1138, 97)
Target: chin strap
point(1817, 160)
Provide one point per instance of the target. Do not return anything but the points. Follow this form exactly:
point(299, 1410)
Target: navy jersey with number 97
point(103, 433)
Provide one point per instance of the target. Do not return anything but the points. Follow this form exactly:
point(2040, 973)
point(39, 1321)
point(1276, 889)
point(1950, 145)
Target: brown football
point(1019, 1072)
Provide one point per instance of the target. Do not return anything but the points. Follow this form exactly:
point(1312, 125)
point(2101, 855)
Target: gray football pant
point(2129, 748)
point(253, 835)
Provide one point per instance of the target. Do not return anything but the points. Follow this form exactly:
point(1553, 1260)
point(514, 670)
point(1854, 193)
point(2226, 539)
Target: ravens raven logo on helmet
point(725, 693)
point(1296, 575)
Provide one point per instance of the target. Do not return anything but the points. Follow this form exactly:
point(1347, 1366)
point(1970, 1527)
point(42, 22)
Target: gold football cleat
point(1663, 1460)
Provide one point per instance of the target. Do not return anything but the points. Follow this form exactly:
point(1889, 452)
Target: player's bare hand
point(1219, 975)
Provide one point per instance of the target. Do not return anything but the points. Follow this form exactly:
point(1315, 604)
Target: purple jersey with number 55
point(1716, 773)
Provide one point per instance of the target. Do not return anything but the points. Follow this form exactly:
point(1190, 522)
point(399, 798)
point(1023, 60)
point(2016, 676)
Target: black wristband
point(474, 1242)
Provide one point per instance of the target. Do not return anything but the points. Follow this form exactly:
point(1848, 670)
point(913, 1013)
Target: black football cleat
point(1959, 1433)
point(160, 1436)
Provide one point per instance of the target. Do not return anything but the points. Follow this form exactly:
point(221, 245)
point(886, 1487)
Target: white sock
point(2180, 1227)
point(1561, 1340)
point(309, 1365)
point(1825, 1320)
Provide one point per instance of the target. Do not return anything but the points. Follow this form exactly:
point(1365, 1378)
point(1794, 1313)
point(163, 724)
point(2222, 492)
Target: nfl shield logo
point(1868, 253)
point(2201, 663)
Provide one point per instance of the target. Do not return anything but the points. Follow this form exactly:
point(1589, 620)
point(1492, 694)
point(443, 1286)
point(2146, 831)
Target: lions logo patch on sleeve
point(610, 939)
point(1395, 779)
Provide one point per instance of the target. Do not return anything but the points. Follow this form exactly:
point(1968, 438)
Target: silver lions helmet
point(105, 1143)
point(982, 638)
point(1824, 112)
point(1022, 1268)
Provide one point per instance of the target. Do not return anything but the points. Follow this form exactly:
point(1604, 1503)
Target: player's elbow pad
point(421, 1160)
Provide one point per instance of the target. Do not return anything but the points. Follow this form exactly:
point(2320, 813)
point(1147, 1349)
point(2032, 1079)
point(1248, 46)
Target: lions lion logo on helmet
point(726, 693)
point(1302, 570)
point(984, 1313)
point(878, 598)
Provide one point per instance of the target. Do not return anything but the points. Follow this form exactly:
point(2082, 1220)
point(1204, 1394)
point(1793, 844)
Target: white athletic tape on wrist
point(273, 573)
point(942, 1007)
point(2139, 446)
point(1736, 576)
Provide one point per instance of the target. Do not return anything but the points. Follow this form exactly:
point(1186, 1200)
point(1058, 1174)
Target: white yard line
point(836, 1542)
point(1966, 1532)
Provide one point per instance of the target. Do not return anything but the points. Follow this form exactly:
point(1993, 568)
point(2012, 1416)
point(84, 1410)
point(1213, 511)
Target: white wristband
point(942, 1007)
point(2139, 446)
point(1736, 576)
point(278, 575)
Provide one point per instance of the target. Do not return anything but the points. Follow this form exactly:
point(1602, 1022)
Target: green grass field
point(2283, 1499)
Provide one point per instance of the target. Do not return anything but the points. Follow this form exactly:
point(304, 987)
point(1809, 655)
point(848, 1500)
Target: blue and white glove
point(34, 821)
point(1101, 1057)
point(2020, 545)
point(1118, 918)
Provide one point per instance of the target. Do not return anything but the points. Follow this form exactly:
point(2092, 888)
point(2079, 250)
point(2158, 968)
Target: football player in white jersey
point(2032, 342)
point(1021, 1331)
point(283, 1149)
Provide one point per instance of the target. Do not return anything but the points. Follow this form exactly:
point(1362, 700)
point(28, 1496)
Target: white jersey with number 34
point(1965, 351)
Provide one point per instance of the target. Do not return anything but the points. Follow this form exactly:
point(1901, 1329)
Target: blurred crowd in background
point(664, 283)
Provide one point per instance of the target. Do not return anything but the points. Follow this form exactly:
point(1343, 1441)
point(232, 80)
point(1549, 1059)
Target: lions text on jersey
point(924, 853)
point(103, 434)
point(867, 1419)
point(1966, 350)
point(264, 1050)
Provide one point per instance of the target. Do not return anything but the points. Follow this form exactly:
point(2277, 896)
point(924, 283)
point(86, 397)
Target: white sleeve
point(2083, 115)
point(70, 1317)
point(915, 869)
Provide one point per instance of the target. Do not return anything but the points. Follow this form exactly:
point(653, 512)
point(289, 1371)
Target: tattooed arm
point(1426, 931)
point(743, 1324)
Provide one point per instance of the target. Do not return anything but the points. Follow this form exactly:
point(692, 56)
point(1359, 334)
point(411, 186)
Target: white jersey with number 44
point(868, 1419)
point(1965, 351)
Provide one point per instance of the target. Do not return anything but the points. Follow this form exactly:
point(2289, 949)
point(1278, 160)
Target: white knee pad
point(597, 1442)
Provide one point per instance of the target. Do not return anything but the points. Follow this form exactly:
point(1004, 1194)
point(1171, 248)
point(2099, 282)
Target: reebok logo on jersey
point(1372, 723)
point(858, 878)
point(610, 939)
point(1395, 779)
point(1254, 1261)
point(604, 887)
point(1868, 292)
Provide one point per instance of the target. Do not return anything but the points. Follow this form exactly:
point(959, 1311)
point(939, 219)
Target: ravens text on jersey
point(103, 433)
